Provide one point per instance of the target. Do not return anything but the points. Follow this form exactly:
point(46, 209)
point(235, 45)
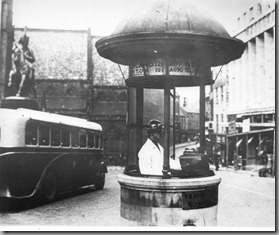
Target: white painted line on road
point(250, 191)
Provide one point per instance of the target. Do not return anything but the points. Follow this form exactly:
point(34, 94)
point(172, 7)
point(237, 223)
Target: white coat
point(151, 158)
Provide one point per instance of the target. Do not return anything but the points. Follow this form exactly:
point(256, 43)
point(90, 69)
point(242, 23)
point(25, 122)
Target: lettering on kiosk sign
point(198, 199)
point(152, 67)
point(185, 68)
point(176, 68)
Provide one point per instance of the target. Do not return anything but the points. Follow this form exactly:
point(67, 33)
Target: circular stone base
point(169, 202)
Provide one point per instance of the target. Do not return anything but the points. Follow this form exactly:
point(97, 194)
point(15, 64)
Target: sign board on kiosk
point(177, 67)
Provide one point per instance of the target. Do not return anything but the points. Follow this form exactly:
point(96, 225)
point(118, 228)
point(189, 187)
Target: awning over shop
point(262, 141)
point(250, 140)
point(239, 143)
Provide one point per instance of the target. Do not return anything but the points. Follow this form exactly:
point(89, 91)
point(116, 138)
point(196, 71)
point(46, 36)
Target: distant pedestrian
point(236, 161)
point(216, 161)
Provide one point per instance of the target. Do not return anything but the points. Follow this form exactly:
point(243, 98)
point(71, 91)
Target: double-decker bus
point(47, 154)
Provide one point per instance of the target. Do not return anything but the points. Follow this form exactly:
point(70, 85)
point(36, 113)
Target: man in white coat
point(151, 154)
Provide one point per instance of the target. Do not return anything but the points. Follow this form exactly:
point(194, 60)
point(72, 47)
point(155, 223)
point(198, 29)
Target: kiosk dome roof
point(170, 28)
point(171, 16)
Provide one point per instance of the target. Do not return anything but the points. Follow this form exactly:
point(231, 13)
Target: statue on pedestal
point(22, 74)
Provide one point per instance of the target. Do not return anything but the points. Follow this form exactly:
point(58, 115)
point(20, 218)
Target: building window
point(259, 11)
point(216, 95)
point(258, 118)
point(268, 118)
point(238, 22)
point(222, 94)
point(251, 13)
point(227, 90)
point(244, 18)
point(217, 123)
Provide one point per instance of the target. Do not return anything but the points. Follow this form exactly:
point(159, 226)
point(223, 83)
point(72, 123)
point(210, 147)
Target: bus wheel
point(49, 187)
point(100, 181)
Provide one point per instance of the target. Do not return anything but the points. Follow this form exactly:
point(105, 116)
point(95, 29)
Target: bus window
point(31, 133)
point(75, 138)
point(82, 139)
point(44, 135)
point(55, 136)
point(97, 141)
point(90, 140)
point(65, 137)
point(101, 142)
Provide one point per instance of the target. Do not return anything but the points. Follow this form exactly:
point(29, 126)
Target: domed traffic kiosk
point(170, 44)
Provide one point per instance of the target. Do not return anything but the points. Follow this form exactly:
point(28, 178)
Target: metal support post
point(166, 166)
point(139, 117)
point(174, 110)
point(202, 115)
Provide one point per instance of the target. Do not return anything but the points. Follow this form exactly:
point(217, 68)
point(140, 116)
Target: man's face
point(156, 136)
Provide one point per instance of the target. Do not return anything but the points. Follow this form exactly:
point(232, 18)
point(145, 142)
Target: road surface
point(244, 201)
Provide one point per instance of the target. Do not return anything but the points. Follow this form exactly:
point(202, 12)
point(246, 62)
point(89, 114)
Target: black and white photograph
point(138, 116)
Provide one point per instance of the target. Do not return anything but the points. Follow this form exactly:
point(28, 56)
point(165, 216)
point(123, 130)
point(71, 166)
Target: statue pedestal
point(14, 102)
point(169, 202)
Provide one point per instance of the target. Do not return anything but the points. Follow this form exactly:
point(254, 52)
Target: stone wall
point(59, 54)
point(106, 72)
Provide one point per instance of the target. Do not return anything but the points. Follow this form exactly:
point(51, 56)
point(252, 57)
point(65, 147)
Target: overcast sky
point(102, 16)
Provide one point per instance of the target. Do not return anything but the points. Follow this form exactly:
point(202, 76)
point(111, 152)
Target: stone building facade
point(246, 87)
point(244, 92)
point(189, 125)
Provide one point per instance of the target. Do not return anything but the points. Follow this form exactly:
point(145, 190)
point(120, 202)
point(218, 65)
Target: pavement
point(251, 170)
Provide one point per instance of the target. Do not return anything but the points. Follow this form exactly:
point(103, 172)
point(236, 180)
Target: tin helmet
point(154, 126)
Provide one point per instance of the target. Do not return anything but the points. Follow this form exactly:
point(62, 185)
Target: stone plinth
point(169, 202)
